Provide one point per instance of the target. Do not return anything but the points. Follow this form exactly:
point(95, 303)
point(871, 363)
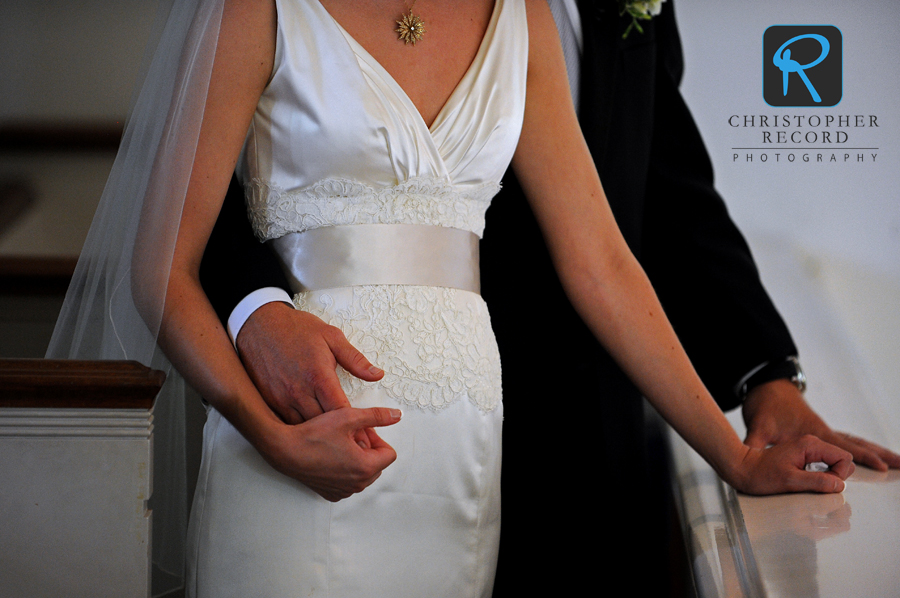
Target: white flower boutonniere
point(640, 10)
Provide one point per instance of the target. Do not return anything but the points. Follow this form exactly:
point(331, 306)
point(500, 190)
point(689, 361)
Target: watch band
point(784, 369)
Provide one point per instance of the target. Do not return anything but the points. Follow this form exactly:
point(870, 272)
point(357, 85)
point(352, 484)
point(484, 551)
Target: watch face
point(799, 378)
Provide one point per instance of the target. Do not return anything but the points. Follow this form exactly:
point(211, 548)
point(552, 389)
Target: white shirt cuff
point(250, 304)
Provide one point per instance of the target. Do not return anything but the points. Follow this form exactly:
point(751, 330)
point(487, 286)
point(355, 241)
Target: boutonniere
point(640, 10)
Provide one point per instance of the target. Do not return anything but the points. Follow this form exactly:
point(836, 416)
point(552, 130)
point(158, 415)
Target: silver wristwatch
point(784, 369)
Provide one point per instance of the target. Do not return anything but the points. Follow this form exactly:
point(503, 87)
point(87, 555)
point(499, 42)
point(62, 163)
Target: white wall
point(67, 60)
point(839, 222)
point(848, 210)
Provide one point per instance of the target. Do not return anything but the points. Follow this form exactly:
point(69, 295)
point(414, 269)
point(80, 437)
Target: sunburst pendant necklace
point(410, 28)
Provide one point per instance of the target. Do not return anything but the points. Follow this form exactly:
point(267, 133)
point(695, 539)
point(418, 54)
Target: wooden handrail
point(75, 384)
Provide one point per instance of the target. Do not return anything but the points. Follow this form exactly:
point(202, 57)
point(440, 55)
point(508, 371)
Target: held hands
point(291, 355)
point(327, 453)
point(776, 412)
point(331, 447)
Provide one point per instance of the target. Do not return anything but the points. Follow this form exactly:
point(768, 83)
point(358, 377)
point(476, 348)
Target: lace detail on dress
point(433, 344)
point(275, 212)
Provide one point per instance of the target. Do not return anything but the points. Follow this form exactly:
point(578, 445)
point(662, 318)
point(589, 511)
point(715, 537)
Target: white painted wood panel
point(74, 486)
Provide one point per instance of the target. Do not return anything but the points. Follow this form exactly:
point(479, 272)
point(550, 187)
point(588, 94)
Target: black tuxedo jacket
point(572, 419)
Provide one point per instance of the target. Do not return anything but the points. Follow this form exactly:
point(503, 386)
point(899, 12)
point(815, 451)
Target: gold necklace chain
point(410, 28)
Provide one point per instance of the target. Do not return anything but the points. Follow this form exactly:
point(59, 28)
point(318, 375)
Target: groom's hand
point(291, 357)
point(776, 412)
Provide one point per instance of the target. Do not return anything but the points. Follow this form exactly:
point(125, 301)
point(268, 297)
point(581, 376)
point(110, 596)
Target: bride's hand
point(326, 453)
point(782, 468)
point(291, 356)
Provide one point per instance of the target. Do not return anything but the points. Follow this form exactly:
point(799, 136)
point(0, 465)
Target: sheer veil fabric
point(115, 302)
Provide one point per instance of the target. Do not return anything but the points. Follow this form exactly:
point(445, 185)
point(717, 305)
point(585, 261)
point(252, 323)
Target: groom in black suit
point(575, 479)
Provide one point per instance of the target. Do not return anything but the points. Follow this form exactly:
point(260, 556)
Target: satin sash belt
point(362, 254)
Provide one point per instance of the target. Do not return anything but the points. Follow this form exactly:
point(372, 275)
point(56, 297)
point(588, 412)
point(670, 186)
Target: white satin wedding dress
point(337, 149)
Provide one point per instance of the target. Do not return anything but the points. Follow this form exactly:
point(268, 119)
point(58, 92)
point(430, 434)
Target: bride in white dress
point(369, 165)
point(376, 216)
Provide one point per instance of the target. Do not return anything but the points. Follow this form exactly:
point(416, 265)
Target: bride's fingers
point(374, 439)
point(379, 453)
point(373, 417)
point(782, 468)
point(824, 483)
point(840, 461)
point(864, 452)
point(362, 439)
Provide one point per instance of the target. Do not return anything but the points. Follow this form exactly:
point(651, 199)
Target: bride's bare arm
point(327, 453)
point(611, 292)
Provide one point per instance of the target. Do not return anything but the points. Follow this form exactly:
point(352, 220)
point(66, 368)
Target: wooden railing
point(73, 384)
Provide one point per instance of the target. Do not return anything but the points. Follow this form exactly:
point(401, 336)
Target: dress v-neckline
point(483, 47)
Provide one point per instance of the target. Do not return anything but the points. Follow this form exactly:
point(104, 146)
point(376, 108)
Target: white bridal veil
point(115, 302)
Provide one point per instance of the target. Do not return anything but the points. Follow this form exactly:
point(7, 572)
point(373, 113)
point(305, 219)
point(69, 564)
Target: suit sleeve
point(696, 258)
point(235, 263)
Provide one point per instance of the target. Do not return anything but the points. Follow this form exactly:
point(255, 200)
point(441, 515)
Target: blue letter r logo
point(790, 49)
point(783, 61)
